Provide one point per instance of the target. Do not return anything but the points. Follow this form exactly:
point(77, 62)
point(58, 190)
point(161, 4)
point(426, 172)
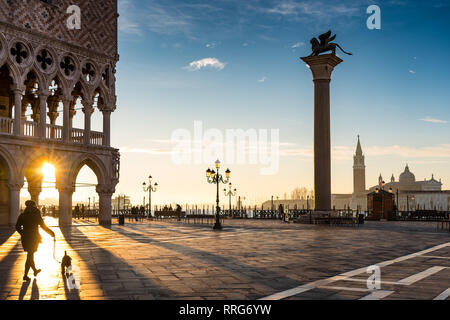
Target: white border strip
point(444, 295)
point(320, 283)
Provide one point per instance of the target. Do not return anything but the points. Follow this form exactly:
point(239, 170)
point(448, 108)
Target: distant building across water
point(409, 193)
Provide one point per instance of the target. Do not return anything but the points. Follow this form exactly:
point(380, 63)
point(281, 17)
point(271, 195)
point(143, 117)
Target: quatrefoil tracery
point(89, 72)
point(68, 66)
point(19, 52)
point(44, 59)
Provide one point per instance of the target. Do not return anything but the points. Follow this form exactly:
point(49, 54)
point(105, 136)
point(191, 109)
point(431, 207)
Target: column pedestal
point(321, 68)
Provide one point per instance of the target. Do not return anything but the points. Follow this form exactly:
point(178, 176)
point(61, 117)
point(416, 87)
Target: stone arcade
point(44, 67)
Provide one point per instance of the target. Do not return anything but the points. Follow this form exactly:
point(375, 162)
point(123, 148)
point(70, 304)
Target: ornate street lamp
point(214, 177)
point(230, 193)
point(150, 188)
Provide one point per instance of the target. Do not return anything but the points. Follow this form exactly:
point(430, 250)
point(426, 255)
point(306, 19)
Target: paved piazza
point(248, 260)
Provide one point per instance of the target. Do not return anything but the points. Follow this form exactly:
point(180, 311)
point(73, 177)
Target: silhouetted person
point(77, 212)
point(134, 212)
point(28, 227)
point(83, 209)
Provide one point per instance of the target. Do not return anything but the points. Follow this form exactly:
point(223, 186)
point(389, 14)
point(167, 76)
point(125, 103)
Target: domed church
point(416, 195)
point(407, 182)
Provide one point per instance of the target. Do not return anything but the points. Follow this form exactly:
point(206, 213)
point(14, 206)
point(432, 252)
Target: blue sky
point(397, 76)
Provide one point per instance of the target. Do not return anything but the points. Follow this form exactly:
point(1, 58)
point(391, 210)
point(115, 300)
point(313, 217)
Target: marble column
point(66, 119)
point(107, 128)
point(43, 96)
point(87, 121)
point(322, 67)
point(105, 206)
point(65, 205)
point(14, 202)
point(17, 127)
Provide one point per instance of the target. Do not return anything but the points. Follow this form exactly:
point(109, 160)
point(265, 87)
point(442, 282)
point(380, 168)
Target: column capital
point(104, 190)
point(17, 88)
point(87, 106)
point(44, 94)
point(107, 111)
point(15, 186)
point(66, 99)
point(87, 103)
point(322, 66)
point(65, 189)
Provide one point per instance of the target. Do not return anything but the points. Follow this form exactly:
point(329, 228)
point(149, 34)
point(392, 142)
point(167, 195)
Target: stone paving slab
point(248, 260)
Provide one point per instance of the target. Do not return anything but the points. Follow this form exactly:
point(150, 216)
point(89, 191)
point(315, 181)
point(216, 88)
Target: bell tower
point(359, 171)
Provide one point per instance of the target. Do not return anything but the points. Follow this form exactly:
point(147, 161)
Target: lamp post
point(240, 201)
point(216, 178)
point(407, 202)
point(230, 193)
point(150, 188)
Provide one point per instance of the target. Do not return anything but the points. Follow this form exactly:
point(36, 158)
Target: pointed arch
point(8, 163)
point(103, 91)
point(37, 74)
point(14, 72)
point(41, 156)
point(79, 89)
point(93, 162)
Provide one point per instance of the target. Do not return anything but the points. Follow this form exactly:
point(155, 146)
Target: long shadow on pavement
point(100, 257)
point(263, 276)
point(6, 269)
point(5, 234)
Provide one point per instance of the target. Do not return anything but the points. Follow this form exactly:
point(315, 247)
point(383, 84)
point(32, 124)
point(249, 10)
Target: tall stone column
point(105, 206)
point(65, 205)
point(72, 113)
point(321, 67)
point(43, 96)
point(107, 128)
point(17, 127)
point(87, 121)
point(14, 202)
point(66, 119)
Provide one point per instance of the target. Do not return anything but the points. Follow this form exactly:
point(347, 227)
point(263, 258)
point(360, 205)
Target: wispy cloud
point(433, 120)
point(205, 63)
point(291, 8)
point(127, 22)
point(155, 16)
point(346, 152)
point(412, 71)
point(297, 45)
point(263, 79)
point(151, 151)
point(211, 45)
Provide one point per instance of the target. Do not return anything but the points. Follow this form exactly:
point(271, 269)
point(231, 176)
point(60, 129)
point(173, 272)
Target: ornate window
point(67, 66)
point(88, 72)
point(44, 59)
point(19, 52)
point(105, 77)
